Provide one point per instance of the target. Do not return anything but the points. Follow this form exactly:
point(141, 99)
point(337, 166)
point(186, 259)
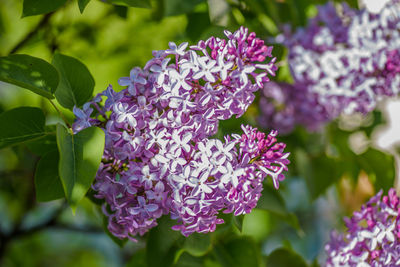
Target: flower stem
point(61, 115)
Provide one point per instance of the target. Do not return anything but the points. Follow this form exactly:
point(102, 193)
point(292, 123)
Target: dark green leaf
point(47, 181)
point(138, 259)
point(121, 11)
point(320, 172)
point(187, 260)
point(273, 202)
point(43, 145)
point(283, 257)
point(162, 244)
point(80, 156)
point(238, 222)
point(30, 73)
point(76, 83)
point(37, 7)
point(82, 4)
point(177, 7)
point(21, 124)
point(315, 263)
point(131, 3)
point(197, 24)
point(197, 244)
point(238, 252)
point(380, 168)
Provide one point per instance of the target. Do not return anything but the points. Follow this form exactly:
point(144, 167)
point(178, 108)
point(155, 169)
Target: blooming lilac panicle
point(158, 157)
point(344, 61)
point(372, 237)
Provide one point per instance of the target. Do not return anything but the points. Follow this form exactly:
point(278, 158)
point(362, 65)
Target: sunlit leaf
point(30, 73)
point(80, 156)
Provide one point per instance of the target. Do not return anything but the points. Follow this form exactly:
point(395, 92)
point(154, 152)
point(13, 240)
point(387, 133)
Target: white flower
point(177, 50)
point(123, 114)
point(206, 69)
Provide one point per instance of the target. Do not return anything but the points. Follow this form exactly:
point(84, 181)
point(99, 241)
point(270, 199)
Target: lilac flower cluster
point(372, 238)
point(158, 158)
point(344, 61)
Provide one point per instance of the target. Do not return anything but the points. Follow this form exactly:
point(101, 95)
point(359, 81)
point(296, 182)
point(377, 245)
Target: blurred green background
point(327, 179)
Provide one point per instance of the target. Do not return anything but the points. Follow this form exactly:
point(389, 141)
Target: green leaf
point(76, 83)
point(273, 202)
point(82, 4)
point(44, 144)
point(21, 124)
point(238, 252)
point(197, 244)
point(121, 11)
point(162, 244)
point(198, 22)
point(238, 221)
point(131, 3)
point(37, 7)
point(257, 224)
point(30, 73)
point(177, 7)
point(319, 171)
point(187, 260)
point(47, 181)
point(80, 156)
point(315, 263)
point(380, 168)
point(283, 257)
point(138, 259)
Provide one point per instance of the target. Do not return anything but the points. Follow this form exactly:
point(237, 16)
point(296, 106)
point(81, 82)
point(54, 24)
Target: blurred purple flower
point(372, 237)
point(344, 61)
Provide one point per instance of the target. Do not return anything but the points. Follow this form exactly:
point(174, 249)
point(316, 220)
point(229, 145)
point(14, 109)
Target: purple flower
point(342, 62)
point(372, 237)
point(158, 157)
